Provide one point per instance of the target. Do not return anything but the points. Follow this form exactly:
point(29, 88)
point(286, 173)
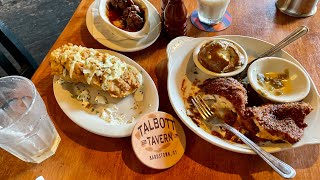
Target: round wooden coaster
point(225, 22)
point(158, 140)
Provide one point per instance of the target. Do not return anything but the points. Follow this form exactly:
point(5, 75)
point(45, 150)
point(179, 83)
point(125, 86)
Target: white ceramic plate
point(181, 68)
point(126, 45)
point(91, 122)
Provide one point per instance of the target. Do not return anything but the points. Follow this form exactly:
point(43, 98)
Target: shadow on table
point(130, 158)
point(12, 165)
point(275, 15)
point(164, 105)
point(132, 162)
point(283, 19)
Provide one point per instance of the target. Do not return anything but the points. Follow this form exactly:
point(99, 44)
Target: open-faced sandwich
point(104, 71)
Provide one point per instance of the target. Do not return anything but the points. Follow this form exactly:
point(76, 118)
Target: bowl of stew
point(127, 18)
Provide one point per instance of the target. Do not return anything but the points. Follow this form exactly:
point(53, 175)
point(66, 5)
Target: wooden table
point(83, 155)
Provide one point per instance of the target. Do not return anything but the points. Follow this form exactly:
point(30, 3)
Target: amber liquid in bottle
point(163, 6)
point(175, 19)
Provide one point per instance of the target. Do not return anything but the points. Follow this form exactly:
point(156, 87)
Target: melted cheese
point(265, 134)
point(93, 62)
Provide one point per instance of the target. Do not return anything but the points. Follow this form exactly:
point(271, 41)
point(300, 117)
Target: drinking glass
point(26, 130)
point(212, 11)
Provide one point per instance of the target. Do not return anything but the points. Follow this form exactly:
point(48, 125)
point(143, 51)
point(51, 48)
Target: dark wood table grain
point(83, 155)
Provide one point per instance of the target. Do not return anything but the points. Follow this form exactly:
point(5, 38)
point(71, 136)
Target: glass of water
point(26, 130)
point(212, 11)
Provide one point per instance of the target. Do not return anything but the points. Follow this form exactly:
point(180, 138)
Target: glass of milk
point(212, 11)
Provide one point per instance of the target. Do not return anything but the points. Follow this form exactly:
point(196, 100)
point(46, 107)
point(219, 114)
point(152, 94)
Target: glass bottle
point(175, 18)
point(163, 6)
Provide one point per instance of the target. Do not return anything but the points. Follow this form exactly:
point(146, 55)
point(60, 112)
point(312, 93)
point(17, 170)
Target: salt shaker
point(175, 18)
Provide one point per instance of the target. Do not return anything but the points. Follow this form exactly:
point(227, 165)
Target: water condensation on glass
point(26, 130)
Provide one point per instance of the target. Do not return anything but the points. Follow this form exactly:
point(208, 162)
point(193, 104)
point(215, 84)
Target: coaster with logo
point(224, 24)
point(158, 140)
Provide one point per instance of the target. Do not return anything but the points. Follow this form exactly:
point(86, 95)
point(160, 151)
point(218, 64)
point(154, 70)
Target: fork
point(279, 166)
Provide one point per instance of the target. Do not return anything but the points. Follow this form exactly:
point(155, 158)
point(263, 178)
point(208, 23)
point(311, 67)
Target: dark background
point(37, 23)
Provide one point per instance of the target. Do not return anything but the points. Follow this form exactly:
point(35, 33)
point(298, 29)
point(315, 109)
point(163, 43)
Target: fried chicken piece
point(272, 122)
point(101, 70)
point(229, 88)
point(230, 104)
point(280, 121)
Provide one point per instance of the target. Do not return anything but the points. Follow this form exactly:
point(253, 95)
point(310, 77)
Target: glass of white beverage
point(26, 130)
point(212, 11)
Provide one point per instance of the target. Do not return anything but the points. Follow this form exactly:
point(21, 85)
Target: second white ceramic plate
point(92, 122)
point(125, 45)
point(182, 70)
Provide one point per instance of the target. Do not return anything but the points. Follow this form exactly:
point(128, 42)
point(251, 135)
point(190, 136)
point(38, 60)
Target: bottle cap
point(158, 140)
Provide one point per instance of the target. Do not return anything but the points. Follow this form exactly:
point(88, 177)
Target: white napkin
point(101, 31)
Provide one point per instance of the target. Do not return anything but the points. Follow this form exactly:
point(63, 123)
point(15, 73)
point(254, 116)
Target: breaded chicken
point(101, 70)
point(229, 102)
point(229, 88)
point(280, 121)
point(267, 122)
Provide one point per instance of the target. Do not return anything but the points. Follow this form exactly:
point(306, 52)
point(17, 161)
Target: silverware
point(279, 166)
point(286, 41)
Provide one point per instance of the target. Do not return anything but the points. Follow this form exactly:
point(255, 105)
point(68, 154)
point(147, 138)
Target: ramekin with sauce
point(278, 79)
point(220, 57)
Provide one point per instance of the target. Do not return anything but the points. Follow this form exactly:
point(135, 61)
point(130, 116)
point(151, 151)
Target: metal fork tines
point(202, 107)
point(279, 166)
